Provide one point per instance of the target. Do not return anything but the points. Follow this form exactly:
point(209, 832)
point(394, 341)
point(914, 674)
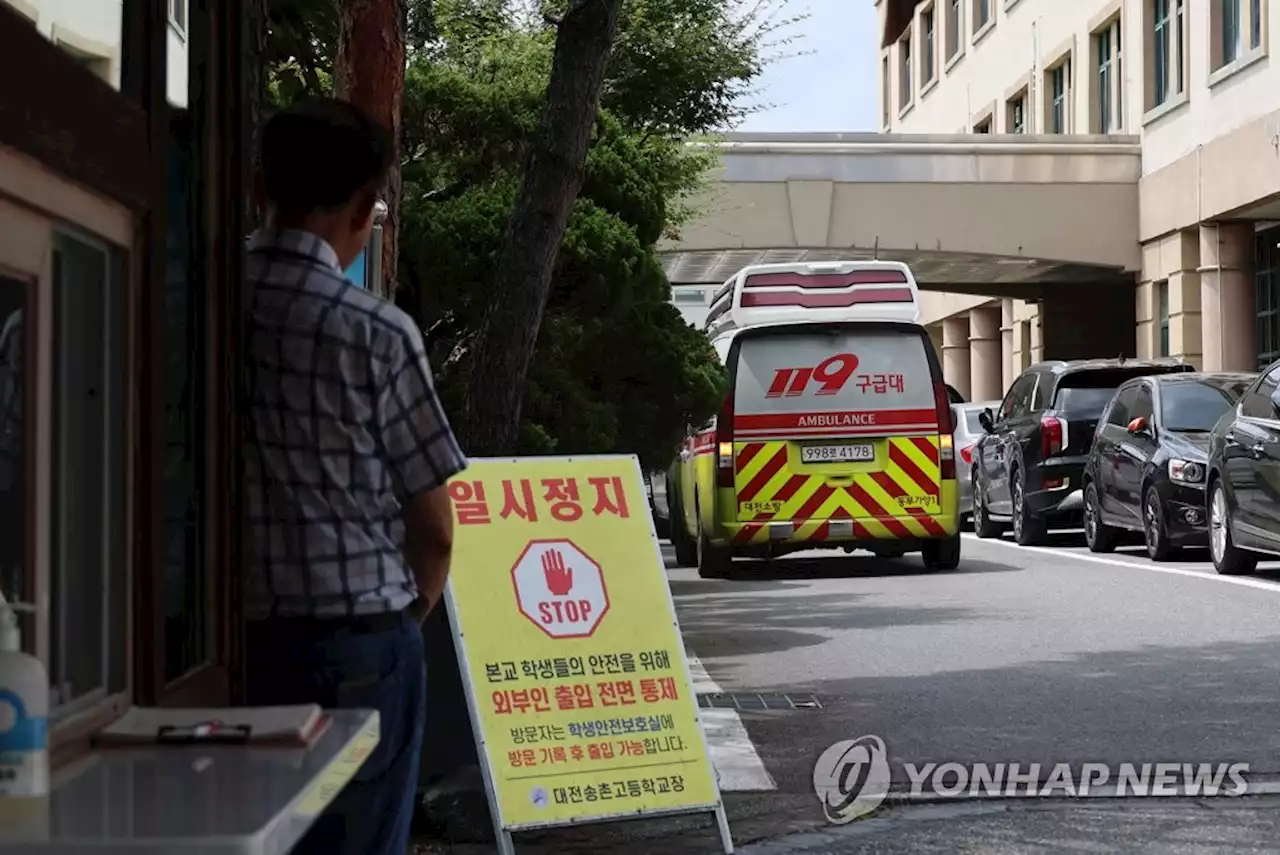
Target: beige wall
point(1210, 146)
point(1012, 54)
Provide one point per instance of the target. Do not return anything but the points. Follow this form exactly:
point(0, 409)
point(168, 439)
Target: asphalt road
point(1048, 655)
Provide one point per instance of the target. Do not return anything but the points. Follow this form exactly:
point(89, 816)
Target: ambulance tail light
point(724, 443)
point(946, 445)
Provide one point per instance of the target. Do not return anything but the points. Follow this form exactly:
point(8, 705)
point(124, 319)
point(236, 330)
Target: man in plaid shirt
point(347, 453)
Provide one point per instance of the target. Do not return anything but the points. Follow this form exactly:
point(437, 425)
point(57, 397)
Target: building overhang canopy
point(966, 211)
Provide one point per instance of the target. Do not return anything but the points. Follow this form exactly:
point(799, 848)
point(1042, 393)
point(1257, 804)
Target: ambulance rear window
point(847, 368)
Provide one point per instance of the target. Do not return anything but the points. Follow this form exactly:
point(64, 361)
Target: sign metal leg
point(506, 846)
point(726, 839)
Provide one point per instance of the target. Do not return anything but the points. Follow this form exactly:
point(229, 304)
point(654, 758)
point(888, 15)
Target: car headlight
point(1186, 471)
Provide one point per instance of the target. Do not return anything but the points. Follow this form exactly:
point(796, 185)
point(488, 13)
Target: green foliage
point(616, 369)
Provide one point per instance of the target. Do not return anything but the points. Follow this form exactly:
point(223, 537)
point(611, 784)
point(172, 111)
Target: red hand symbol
point(559, 576)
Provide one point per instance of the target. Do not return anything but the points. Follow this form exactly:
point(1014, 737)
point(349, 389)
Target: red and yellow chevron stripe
point(894, 497)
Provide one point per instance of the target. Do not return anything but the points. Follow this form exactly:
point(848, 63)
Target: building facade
point(123, 180)
point(1192, 80)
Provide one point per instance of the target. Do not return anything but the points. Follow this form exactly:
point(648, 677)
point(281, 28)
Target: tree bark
point(369, 72)
point(554, 175)
point(254, 21)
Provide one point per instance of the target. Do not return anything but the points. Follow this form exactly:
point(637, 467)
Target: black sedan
point(1148, 465)
point(1244, 479)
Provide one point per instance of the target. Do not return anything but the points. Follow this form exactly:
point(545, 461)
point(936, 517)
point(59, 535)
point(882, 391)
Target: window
point(1255, 24)
point(1060, 98)
point(1266, 296)
point(1019, 398)
point(1119, 415)
point(178, 14)
point(1109, 116)
point(904, 71)
point(88, 579)
point(983, 126)
point(1162, 316)
point(17, 573)
point(1196, 406)
point(1229, 30)
point(886, 93)
point(1256, 403)
point(1143, 405)
point(1016, 117)
point(981, 14)
point(929, 46)
point(1167, 64)
point(955, 26)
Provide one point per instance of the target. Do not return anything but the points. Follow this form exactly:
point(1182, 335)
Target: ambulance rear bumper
point(816, 533)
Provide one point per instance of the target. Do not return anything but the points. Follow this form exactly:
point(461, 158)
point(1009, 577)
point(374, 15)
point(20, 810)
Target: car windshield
point(1196, 406)
point(1083, 402)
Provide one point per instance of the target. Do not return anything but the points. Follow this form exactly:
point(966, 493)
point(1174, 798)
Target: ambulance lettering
point(837, 419)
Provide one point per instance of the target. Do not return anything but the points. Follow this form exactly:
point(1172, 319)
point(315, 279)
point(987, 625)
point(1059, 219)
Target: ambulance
point(836, 431)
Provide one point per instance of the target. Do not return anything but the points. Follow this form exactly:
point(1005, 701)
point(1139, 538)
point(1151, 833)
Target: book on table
point(294, 726)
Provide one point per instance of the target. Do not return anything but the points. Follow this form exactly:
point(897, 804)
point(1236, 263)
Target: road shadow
point(734, 622)
point(855, 566)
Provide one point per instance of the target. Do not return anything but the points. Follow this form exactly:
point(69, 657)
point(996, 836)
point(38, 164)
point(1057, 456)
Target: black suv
point(1027, 468)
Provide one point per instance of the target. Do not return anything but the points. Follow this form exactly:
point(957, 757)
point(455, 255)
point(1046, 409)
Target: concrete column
point(1008, 366)
point(1228, 316)
point(1185, 321)
point(984, 353)
point(955, 353)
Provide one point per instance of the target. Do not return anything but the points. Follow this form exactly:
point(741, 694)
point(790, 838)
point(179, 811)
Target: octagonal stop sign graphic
point(560, 588)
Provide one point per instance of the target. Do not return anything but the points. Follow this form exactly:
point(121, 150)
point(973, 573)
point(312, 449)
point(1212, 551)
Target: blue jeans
point(341, 664)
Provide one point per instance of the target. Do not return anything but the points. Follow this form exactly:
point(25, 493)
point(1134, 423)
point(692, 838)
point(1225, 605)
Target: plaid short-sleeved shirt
point(344, 429)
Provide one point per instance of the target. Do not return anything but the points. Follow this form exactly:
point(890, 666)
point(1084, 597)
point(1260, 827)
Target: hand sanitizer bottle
point(24, 715)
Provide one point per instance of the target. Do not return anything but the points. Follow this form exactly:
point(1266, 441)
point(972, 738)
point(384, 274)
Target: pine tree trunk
point(369, 72)
point(557, 161)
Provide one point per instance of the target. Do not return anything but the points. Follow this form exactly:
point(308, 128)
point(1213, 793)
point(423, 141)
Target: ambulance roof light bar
point(815, 292)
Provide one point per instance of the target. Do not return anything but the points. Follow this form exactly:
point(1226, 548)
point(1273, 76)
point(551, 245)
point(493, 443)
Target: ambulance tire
point(942, 554)
point(714, 562)
point(684, 545)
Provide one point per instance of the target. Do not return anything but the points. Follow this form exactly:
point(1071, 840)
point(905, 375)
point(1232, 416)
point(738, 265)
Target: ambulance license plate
point(849, 452)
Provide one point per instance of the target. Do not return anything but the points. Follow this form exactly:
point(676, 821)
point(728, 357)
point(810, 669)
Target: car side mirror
point(986, 420)
point(1138, 425)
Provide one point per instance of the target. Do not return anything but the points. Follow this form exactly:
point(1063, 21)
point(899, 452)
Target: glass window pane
point(16, 579)
point(185, 581)
point(177, 39)
point(88, 30)
point(87, 585)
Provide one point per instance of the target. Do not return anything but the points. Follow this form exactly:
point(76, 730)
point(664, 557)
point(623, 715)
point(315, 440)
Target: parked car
point(1243, 479)
point(1146, 472)
point(965, 441)
point(1028, 468)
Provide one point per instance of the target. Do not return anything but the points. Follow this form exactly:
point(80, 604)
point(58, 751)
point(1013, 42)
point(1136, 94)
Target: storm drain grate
point(758, 701)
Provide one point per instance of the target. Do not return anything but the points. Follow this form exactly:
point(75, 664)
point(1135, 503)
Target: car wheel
point(983, 526)
point(713, 561)
point(1099, 536)
point(1228, 559)
point(1153, 528)
point(1028, 529)
point(942, 554)
point(685, 547)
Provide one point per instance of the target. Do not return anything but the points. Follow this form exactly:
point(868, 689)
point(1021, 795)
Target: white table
point(193, 800)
